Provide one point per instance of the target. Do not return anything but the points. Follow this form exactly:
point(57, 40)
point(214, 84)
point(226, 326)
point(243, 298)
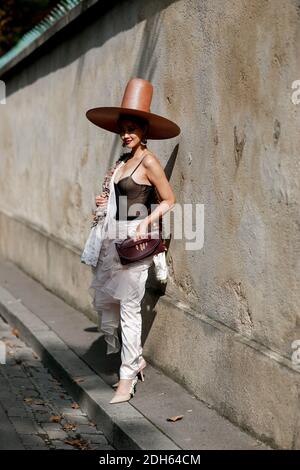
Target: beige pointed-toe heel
point(119, 398)
point(140, 373)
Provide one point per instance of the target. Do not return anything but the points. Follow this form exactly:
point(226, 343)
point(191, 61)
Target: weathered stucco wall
point(223, 70)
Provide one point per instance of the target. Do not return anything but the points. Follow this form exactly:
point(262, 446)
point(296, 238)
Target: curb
point(124, 427)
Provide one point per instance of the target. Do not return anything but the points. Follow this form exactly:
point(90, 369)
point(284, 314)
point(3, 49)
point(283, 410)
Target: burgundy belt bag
point(128, 252)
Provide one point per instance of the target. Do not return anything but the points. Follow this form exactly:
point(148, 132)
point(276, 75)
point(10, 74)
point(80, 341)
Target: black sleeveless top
point(136, 194)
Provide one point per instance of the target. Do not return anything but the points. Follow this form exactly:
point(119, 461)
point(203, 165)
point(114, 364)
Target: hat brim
point(159, 127)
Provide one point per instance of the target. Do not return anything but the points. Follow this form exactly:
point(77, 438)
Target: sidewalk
point(36, 413)
point(74, 351)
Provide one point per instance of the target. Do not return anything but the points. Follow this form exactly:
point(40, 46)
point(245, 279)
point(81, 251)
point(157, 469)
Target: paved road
point(35, 411)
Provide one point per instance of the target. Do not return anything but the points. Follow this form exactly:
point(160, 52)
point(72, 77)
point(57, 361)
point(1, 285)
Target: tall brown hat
point(136, 101)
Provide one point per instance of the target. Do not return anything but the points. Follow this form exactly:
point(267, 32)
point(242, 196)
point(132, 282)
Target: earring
point(144, 141)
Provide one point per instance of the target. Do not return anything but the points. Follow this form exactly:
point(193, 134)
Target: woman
point(119, 289)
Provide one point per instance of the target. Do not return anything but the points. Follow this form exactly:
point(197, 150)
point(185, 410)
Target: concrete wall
point(223, 71)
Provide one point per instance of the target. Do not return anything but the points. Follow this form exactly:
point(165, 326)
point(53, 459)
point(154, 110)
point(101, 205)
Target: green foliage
point(19, 16)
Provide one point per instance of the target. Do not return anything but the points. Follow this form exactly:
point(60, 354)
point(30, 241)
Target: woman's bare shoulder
point(151, 160)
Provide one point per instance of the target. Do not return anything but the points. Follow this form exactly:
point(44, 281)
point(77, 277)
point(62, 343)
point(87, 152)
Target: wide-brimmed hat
point(136, 101)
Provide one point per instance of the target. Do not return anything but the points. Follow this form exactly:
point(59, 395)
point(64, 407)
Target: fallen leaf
point(28, 400)
point(15, 332)
point(78, 381)
point(92, 424)
point(69, 427)
point(72, 442)
point(56, 419)
point(35, 355)
point(80, 443)
point(175, 418)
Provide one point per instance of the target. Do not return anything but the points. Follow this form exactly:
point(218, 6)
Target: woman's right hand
point(101, 200)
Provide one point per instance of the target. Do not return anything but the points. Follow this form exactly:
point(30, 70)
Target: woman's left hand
point(141, 231)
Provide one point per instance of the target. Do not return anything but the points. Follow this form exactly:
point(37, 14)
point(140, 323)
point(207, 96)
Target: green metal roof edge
point(60, 10)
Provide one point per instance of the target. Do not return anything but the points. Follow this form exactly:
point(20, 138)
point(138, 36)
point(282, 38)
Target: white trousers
point(127, 313)
point(119, 290)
